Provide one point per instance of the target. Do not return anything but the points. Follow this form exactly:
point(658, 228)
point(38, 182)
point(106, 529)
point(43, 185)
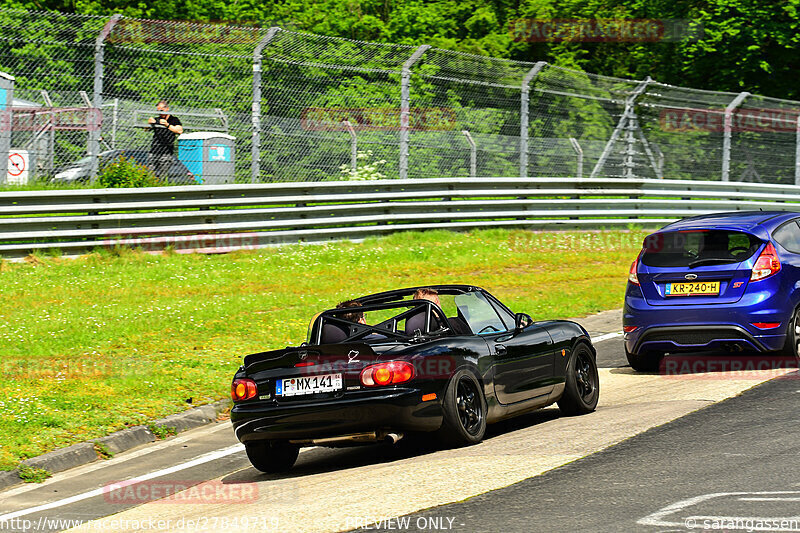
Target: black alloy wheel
point(581, 382)
point(464, 410)
point(470, 408)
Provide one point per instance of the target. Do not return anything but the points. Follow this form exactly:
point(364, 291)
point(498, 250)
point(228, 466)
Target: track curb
point(120, 441)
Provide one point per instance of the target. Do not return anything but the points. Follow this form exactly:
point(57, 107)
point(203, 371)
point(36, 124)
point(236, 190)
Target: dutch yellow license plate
point(693, 288)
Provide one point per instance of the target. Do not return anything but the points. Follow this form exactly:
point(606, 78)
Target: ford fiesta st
point(446, 364)
point(725, 282)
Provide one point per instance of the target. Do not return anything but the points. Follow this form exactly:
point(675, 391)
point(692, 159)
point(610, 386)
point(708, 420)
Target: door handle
point(500, 349)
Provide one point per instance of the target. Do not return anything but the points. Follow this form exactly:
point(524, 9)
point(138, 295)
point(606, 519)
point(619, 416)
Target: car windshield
point(478, 313)
point(698, 247)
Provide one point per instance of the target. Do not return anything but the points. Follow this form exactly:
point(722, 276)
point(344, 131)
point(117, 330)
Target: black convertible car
point(447, 359)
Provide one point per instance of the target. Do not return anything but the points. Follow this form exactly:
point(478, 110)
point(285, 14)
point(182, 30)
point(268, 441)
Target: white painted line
point(796, 499)
point(120, 459)
point(606, 336)
point(659, 518)
point(213, 456)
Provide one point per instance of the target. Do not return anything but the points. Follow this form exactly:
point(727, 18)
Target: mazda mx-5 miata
point(394, 365)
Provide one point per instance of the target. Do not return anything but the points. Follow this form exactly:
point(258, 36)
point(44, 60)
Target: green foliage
point(95, 344)
point(127, 173)
point(30, 474)
point(744, 45)
point(162, 432)
point(102, 450)
point(365, 168)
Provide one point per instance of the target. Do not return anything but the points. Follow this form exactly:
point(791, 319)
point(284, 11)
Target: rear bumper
point(395, 410)
point(701, 338)
point(706, 328)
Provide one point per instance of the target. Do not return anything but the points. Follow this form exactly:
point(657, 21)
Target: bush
point(127, 173)
point(365, 170)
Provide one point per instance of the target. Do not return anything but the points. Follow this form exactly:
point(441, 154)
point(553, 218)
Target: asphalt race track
point(729, 467)
point(659, 452)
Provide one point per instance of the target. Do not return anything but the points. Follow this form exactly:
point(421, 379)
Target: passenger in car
point(357, 316)
point(354, 316)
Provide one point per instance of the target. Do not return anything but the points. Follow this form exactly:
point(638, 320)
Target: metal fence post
point(628, 114)
point(97, 96)
point(255, 148)
point(473, 155)
point(6, 122)
point(524, 117)
point(405, 97)
point(353, 146)
point(579, 152)
point(659, 162)
point(727, 133)
point(51, 133)
point(115, 118)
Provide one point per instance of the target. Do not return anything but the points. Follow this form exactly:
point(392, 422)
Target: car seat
point(333, 333)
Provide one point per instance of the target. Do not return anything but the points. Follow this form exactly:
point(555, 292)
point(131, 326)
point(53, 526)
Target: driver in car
point(458, 324)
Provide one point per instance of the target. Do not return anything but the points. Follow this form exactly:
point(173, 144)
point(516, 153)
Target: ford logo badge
point(690, 276)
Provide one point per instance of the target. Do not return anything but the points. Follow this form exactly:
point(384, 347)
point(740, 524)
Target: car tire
point(643, 362)
point(582, 383)
point(791, 347)
point(464, 406)
point(272, 457)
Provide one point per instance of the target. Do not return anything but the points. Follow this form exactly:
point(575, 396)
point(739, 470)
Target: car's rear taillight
point(243, 389)
point(390, 373)
point(632, 276)
point(767, 264)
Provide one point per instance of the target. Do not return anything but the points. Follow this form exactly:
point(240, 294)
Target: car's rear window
point(697, 247)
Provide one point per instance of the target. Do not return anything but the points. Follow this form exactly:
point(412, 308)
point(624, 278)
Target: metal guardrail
point(230, 217)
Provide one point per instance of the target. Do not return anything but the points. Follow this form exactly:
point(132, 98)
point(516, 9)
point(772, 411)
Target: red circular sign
point(16, 164)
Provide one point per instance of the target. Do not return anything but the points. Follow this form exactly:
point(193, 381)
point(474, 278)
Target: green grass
point(92, 345)
point(30, 474)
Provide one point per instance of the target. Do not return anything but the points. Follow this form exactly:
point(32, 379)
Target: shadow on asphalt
point(323, 460)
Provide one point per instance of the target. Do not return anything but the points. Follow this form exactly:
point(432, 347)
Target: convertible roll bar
point(357, 331)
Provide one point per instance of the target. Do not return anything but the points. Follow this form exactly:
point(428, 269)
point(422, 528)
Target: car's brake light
point(628, 329)
point(389, 373)
point(243, 389)
point(767, 264)
point(632, 276)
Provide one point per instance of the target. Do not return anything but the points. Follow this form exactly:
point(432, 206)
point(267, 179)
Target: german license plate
point(694, 288)
point(308, 385)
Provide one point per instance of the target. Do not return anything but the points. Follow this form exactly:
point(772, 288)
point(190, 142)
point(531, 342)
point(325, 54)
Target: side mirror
point(522, 321)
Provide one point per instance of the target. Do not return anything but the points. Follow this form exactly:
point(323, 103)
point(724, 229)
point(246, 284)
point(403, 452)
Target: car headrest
point(333, 333)
point(416, 322)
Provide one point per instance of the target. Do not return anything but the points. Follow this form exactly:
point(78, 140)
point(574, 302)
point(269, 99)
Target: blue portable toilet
point(209, 155)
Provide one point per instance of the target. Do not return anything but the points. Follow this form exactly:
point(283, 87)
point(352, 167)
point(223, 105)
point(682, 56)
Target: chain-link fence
point(267, 104)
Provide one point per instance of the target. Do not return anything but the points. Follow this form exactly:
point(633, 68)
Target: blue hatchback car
point(727, 282)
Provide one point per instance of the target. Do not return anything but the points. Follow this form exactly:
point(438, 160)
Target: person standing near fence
point(162, 149)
